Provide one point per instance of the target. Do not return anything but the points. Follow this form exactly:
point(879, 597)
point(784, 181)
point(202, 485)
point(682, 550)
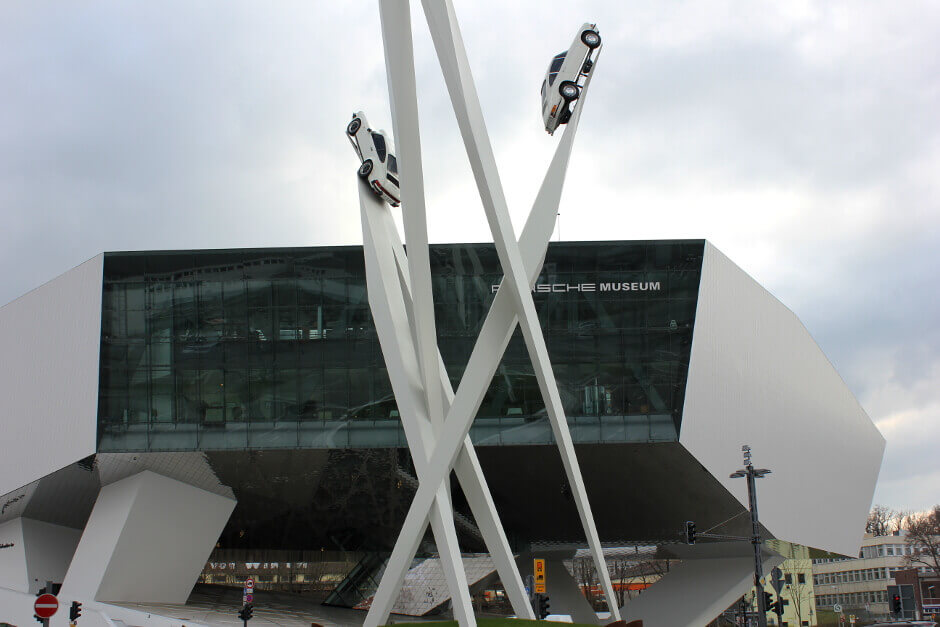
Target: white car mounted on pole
point(566, 76)
point(379, 167)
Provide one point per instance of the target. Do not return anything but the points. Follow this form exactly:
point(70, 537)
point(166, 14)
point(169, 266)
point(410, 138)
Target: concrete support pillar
point(695, 591)
point(147, 540)
point(41, 552)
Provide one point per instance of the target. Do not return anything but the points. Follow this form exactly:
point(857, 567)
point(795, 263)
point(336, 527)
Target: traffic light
point(690, 532)
point(75, 611)
point(543, 606)
point(777, 607)
point(246, 611)
point(896, 604)
point(768, 600)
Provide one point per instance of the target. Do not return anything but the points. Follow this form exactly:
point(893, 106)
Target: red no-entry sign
point(46, 605)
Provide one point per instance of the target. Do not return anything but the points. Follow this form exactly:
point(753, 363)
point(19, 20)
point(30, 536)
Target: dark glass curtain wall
point(275, 348)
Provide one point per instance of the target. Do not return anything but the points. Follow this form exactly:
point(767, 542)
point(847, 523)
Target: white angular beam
point(394, 333)
point(448, 42)
point(497, 330)
point(399, 62)
point(467, 468)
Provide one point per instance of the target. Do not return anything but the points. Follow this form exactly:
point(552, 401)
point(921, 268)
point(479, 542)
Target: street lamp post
point(752, 474)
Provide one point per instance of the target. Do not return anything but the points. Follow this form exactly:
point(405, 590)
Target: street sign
point(249, 598)
point(249, 584)
point(837, 608)
point(776, 579)
point(46, 605)
point(539, 568)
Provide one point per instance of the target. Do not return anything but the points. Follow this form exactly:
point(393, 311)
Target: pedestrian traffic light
point(896, 604)
point(543, 606)
point(246, 611)
point(75, 611)
point(690, 532)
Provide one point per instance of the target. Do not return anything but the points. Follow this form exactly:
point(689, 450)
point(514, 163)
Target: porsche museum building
point(159, 406)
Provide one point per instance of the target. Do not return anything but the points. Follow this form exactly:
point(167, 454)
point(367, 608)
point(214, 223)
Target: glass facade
point(275, 348)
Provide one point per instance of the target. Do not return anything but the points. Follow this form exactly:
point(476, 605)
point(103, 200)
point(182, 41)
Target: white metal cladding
point(147, 540)
point(757, 377)
point(50, 342)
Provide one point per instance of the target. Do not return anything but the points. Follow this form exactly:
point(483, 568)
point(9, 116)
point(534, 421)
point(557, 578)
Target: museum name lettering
point(561, 288)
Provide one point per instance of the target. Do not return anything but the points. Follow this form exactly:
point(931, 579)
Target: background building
point(859, 584)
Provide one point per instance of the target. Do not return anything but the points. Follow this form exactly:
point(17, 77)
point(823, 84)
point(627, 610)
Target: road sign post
point(539, 570)
point(45, 607)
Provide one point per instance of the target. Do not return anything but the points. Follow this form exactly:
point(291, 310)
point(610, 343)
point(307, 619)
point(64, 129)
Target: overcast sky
point(801, 138)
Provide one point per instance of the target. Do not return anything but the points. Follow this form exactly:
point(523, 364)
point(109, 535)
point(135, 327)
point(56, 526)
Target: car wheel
point(591, 39)
point(353, 126)
point(568, 90)
point(365, 169)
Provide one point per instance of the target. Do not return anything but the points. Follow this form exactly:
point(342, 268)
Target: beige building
point(798, 591)
point(859, 585)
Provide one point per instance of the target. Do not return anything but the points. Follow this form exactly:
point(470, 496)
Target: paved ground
point(218, 607)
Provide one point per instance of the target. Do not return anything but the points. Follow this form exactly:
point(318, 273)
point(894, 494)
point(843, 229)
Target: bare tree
point(899, 521)
point(923, 536)
point(650, 571)
point(586, 576)
point(621, 568)
point(879, 520)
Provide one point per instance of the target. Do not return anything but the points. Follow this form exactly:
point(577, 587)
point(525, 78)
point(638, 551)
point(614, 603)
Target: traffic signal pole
point(752, 474)
point(757, 541)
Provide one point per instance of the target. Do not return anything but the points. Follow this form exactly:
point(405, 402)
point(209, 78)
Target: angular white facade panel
point(49, 550)
point(13, 574)
point(694, 592)
point(756, 377)
point(147, 540)
point(50, 341)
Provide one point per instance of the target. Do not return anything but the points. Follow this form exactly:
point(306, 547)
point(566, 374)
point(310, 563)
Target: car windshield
point(392, 164)
point(379, 145)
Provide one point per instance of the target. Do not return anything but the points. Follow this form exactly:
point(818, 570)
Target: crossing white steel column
point(399, 61)
point(405, 321)
point(448, 42)
point(467, 467)
point(395, 337)
point(491, 344)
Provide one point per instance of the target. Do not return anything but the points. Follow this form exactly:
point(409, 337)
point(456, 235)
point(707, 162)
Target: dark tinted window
point(392, 164)
point(276, 348)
